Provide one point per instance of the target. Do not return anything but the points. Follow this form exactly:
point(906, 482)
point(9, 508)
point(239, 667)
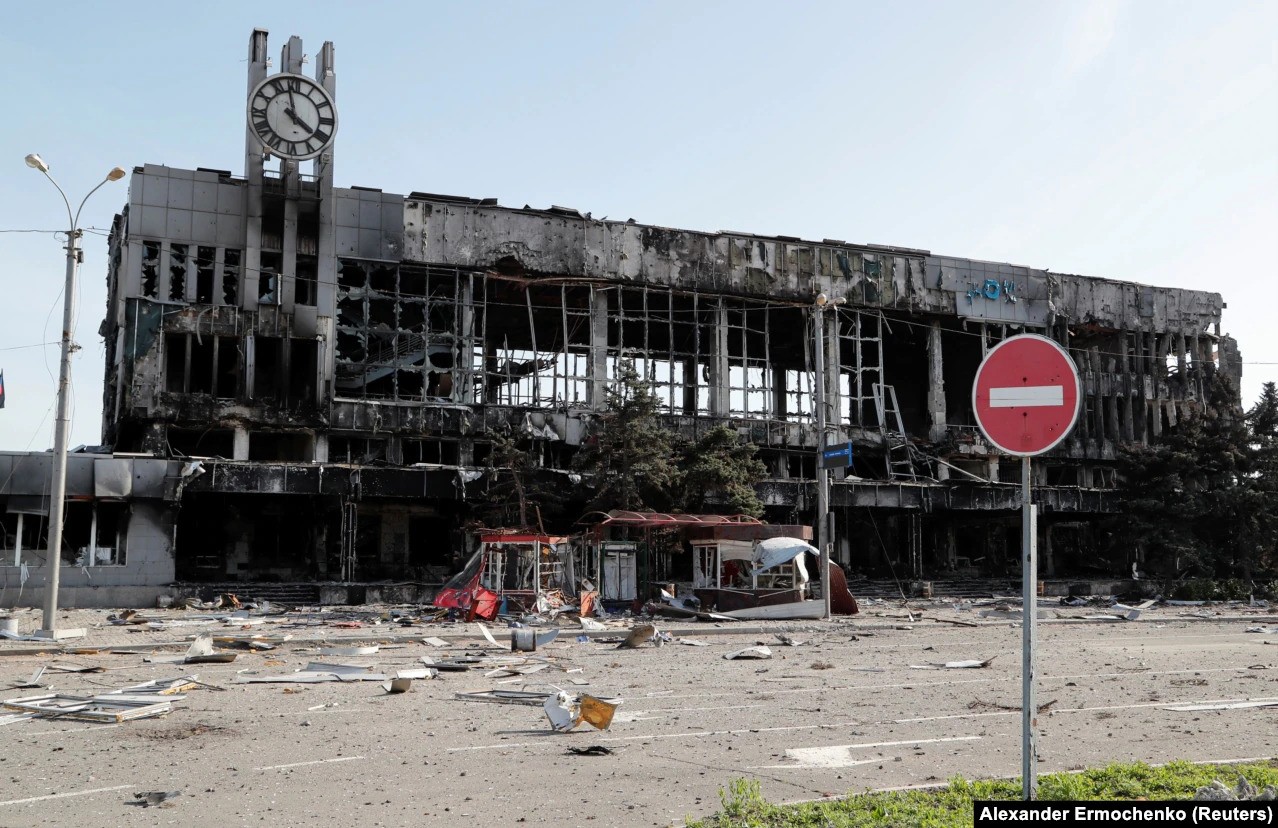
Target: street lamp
point(819, 306)
point(57, 501)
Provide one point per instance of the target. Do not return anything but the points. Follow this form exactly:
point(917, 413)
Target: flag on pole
point(1, 389)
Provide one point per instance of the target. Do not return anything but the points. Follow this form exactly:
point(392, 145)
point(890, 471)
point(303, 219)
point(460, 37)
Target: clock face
point(293, 116)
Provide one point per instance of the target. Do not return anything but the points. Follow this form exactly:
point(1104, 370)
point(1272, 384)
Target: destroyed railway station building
point(301, 380)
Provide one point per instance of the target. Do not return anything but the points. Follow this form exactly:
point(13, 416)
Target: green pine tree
point(631, 458)
point(720, 471)
point(1191, 500)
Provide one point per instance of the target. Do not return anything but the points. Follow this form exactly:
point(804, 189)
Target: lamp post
point(57, 501)
point(823, 476)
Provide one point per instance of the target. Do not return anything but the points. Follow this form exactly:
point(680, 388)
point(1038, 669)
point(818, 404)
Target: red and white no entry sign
point(1026, 395)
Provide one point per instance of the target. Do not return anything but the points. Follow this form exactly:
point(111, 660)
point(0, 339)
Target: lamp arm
point(64, 199)
point(76, 221)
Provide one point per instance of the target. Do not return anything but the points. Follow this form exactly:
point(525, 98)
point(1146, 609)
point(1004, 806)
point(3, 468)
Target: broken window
point(206, 259)
point(177, 273)
point(231, 277)
point(268, 279)
point(151, 269)
point(395, 334)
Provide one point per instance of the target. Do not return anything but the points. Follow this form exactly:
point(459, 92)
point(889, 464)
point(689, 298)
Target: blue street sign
point(835, 457)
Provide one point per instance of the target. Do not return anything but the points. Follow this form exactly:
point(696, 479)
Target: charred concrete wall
point(354, 350)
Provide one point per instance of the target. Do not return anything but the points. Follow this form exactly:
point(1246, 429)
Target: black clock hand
point(298, 121)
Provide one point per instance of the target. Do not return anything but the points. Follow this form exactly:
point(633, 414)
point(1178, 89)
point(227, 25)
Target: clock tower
point(288, 162)
point(290, 250)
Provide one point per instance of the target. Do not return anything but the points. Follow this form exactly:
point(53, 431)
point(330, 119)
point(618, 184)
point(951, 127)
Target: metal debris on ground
point(349, 651)
point(201, 651)
point(32, 682)
point(150, 799)
point(593, 750)
point(970, 664)
point(566, 711)
point(750, 652)
point(112, 708)
point(507, 697)
point(315, 673)
point(397, 685)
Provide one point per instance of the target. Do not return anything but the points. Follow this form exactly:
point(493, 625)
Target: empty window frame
point(536, 350)
point(280, 447)
point(209, 442)
point(431, 452)
point(354, 449)
point(284, 370)
point(23, 538)
point(202, 365)
point(859, 337)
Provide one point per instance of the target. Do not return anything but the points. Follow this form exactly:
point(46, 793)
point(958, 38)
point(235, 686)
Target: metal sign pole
point(823, 474)
point(1029, 627)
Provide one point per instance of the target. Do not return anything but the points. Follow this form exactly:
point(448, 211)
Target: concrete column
point(596, 394)
point(936, 384)
point(1046, 560)
point(833, 370)
point(719, 393)
point(240, 444)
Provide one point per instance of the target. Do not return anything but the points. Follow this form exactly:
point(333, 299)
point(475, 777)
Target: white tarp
point(776, 551)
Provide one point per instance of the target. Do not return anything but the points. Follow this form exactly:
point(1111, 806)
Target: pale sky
point(1132, 140)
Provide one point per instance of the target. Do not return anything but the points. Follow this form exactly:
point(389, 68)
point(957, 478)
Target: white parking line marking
point(65, 795)
point(839, 756)
point(313, 762)
point(655, 736)
point(1028, 396)
point(93, 728)
point(1162, 704)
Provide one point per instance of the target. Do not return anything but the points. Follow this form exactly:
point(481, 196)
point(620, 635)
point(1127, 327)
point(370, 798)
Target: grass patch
point(951, 807)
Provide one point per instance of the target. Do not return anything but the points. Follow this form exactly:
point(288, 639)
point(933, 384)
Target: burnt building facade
point(323, 368)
